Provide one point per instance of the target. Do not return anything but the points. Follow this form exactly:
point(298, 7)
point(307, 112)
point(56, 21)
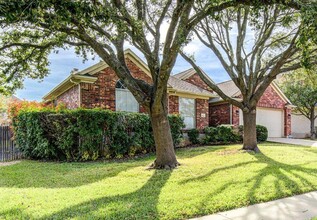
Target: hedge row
point(224, 134)
point(78, 135)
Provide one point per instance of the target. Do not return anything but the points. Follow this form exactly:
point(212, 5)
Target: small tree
point(252, 62)
point(301, 88)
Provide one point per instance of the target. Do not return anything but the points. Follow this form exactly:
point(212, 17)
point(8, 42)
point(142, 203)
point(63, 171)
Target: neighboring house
point(188, 95)
point(301, 125)
point(273, 110)
point(98, 86)
point(4, 101)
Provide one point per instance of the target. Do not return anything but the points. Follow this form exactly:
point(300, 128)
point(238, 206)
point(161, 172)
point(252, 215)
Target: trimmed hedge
point(86, 134)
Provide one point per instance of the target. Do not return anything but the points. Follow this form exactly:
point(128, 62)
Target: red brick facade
point(271, 99)
point(103, 92)
point(202, 119)
point(173, 104)
point(287, 121)
point(220, 114)
point(197, 81)
point(70, 98)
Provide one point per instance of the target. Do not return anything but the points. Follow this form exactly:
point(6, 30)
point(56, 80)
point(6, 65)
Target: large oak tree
point(32, 29)
point(253, 45)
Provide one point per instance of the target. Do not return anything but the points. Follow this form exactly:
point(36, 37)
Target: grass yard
point(211, 179)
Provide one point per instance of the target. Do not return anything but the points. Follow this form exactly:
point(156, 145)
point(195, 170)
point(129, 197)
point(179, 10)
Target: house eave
point(65, 85)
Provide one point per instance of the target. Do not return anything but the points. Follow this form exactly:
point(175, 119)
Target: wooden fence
point(8, 149)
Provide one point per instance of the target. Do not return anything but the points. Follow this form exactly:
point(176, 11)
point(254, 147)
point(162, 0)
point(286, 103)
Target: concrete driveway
point(303, 142)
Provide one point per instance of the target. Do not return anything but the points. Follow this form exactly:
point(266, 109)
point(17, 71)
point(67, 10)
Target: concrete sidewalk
point(299, 207)
point(302, 142)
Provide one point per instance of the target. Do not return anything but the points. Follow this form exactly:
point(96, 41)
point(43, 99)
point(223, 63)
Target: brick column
point(173, 104)
point(201, 113)
point(287, 121)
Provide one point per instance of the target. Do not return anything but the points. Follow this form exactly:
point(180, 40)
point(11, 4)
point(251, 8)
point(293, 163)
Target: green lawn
point(211, 179)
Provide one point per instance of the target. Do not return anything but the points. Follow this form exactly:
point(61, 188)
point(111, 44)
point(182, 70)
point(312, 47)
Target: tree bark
point(312, 124)
point(165, 154)
point(249, 131)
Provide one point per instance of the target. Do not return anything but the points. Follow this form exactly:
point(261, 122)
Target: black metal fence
point(8, 149)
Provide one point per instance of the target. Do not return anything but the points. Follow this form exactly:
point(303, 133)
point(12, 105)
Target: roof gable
point(231, 90)
point(190, 72)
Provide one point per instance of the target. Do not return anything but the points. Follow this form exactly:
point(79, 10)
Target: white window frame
point(124, 92)
point(184, 115)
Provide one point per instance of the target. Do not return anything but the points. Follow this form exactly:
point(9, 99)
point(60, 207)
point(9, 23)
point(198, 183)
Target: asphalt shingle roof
point(184, 86)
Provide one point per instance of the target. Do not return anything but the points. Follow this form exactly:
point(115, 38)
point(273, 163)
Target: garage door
point(272, 119)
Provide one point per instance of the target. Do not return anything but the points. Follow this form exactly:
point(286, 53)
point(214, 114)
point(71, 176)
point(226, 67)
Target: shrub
point(76, 135)
point(211, 135)
point(261, 133)
point(221, 134)
point(193, 136)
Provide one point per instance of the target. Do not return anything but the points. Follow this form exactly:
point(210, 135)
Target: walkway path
point(303, 142)
point(299, 207)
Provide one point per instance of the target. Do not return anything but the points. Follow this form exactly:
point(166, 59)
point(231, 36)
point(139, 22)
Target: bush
point(261, 133)
point(78, 135)
point(221, 134)
point(193, 136)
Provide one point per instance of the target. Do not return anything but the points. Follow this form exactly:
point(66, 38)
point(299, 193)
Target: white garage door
point(273, 119)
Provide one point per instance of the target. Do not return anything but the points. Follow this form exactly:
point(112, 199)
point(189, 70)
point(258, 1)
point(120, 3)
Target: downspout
point(230, 114)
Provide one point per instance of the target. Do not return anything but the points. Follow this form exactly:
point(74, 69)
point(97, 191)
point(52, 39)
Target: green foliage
point(301, 89)
point(261, 133)
point(177, 125)
point(220, 134)
point(193, 136)
point(77, 135)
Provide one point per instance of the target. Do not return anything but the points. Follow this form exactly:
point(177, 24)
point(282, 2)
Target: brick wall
point(287, 121)
point(270, 99)
point(70, 98)
point(102, 92)
point(235, 115)
point(219, 114)
point(173, 104)
point(197, 81)
point(202, 113)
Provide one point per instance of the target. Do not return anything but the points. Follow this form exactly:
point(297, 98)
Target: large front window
point(187, 111)
point(125, 101)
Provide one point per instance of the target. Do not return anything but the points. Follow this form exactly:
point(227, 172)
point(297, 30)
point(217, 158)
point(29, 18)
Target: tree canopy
point(32, 29)
point(300, 87)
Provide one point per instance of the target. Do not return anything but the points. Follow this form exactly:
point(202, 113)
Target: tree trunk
point(312, 124)
point(249, 131)
point(165, 154)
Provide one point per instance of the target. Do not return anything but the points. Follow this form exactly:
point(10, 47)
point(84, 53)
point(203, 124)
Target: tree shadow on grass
point(191, 152)
point(34, 174)
point(288, 180)
point(140, 204)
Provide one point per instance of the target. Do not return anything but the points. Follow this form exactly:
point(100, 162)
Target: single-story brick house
point(98, 86)
point(273, 110)
point(188, 95)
